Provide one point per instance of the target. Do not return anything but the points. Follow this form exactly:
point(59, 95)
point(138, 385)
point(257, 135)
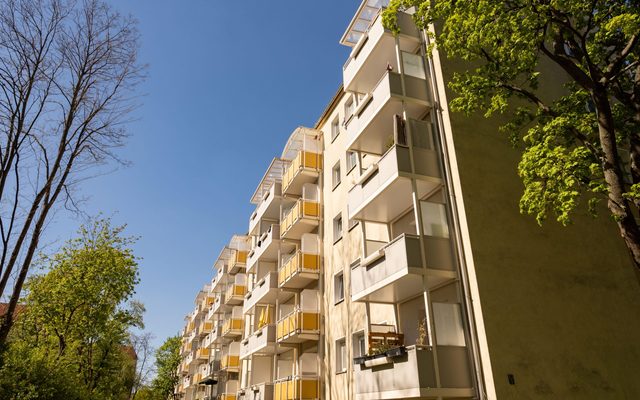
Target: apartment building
point(386, 259)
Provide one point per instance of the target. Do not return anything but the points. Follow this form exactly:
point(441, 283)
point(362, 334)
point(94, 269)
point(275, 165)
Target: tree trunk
point(617, 204)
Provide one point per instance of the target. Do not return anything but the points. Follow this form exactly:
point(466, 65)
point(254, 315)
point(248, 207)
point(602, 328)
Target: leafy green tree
point(77, 317)
point(167, 361)
point(584, 145)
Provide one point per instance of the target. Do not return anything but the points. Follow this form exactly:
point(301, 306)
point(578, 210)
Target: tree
point(579, 148)
point(167, 361)
point(78, 314)
point(141, 343)
point(68, 70)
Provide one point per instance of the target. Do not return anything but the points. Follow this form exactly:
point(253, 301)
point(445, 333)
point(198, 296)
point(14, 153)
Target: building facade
point(386, 259)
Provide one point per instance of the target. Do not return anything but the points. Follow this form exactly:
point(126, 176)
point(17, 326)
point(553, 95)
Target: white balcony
point(410, 374)
point(265, 291)
point(218, 307)
point(261, 342)
point(394, 273)
point(383, 192)
point(266, 247)
point(262, 391)
point(375, 51)
point(373, 121)
point(267, 208)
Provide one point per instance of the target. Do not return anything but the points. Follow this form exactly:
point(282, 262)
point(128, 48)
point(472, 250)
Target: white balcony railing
point(261, 342)
point(265, 291)
point(383, 192)
point(394, 272)
point(266, 247)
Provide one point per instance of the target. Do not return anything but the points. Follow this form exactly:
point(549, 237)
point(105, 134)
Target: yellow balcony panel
point(297, 388)
point(230, 363)
point(238, 261)
point(302, 218)
point(232, 327)
point(298, 271)
point(228, 396)
point(298, 326)
point(202, 353)
point(304, 168)
point(235, 294)
point(205, 328)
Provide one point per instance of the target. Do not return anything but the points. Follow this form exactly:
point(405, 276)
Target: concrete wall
point(561, 305)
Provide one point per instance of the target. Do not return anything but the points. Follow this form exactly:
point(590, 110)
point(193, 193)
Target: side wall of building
point(561, 305)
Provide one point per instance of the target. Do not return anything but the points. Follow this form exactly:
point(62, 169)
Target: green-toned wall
point(561, 305)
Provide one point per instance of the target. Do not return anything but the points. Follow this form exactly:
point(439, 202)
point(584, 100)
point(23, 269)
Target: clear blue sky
point(228, 82)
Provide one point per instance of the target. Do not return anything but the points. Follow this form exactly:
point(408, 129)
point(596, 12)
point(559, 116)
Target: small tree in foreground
point(167, 361)
point(75, 324)
point(579, 148)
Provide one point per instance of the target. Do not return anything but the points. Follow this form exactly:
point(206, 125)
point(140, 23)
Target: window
point(352, 160)
point(341, 356)
point(337, 228)
point(338, 287)
point(335, 175)
point(349, 107)
point(359, 345)
point(434, 219)
point(335, 129)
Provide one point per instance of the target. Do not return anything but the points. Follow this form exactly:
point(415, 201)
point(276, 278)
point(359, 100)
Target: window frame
point(342, 361)
point(338, 233)
point(335, 124)
point(338, 277)
point(336, 168)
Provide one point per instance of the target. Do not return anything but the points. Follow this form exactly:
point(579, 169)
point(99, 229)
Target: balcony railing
point(409, 373)
point(230, 363)
point(205, 328)
point(383, 192)
point(268, 207)
point(264, 292)
point(375, 51)
point(297, 388)
point(266, 247)
point(203, 353)
point(298, 326)
point(303, 210)
point(263, 391)
point(238, 261)
point(394, 273)
point(235, 294)
point(261, 342)
point(368, 130)
point(299, 270)
point(304, 168)
point(232, 327)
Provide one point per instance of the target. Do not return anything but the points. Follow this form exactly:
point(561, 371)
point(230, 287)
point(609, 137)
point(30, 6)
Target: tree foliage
point(579, 147)
point(76, 321)
point(167, 361)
